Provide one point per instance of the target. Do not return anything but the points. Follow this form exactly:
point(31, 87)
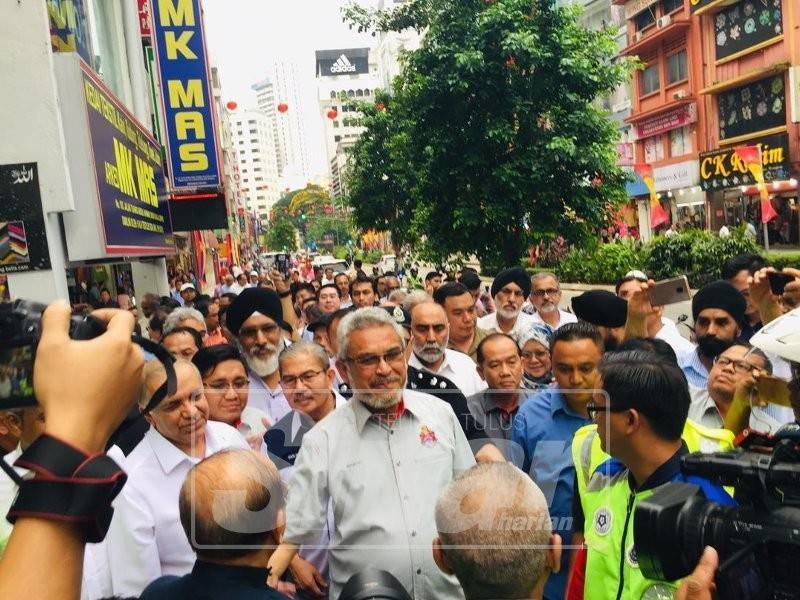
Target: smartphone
point(773, 390)
point(670, 291)
point(778, 281)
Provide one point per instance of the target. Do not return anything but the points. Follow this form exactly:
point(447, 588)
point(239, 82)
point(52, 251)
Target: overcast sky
point(244, 36)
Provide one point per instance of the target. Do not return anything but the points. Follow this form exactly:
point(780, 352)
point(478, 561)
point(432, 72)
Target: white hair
point(305, 348)
point(179, 315)
point(414, 298)
point(364, 318)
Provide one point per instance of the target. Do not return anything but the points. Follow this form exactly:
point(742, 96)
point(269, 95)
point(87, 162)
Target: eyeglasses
point(740, 366)
point(373, 360)
point(222, 386)
point(593, 408)
point(539, 355)
point(547, 292)
point(251, 332)
point(290, 381)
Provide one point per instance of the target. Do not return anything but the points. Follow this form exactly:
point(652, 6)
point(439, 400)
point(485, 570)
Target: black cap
point(261, 300)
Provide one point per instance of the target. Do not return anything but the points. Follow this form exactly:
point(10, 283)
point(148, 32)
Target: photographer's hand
point(760, 292)
point(639, 308)
point(699, 585)
point(86, 387)
point(737, 418)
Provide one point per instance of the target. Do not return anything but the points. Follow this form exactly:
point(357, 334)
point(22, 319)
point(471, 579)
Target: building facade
point(253, 142)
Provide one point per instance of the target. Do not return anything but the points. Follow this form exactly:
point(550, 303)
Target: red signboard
point(144, 17)
point(667, 121)
point(625, 154)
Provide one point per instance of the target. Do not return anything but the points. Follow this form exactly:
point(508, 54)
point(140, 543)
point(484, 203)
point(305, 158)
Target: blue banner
point(130, 177)
point(190, 126)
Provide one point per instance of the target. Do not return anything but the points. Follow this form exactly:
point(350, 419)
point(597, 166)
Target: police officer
point(641, 416)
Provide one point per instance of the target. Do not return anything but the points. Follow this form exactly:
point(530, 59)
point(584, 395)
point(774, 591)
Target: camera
point(758, 541)
point(20, 329)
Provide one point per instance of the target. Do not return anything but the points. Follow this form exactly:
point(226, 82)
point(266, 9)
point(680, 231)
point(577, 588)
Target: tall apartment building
point(253, 140)
point(344, 77)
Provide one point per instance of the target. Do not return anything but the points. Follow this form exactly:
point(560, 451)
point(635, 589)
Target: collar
point(168, 455)
point(663, 474)
point(255, 576)
point(259, 382)
point(559, 404)
point(489, 405)
point(363, 414)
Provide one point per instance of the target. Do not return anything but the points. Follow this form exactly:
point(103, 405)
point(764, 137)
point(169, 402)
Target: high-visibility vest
point(608, 503)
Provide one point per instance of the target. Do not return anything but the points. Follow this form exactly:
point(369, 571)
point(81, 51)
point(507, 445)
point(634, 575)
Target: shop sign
point(625, 154)
point(352, 61)
point(634, 7)
point(673, 119)
point(144, 18)
point(745, 24)
point(677, 176)
point(128, 173)
point(723, 169)
point(190, 126)
point(752, 107)
point(23, 240)
point(696, 5)
point(68, 28)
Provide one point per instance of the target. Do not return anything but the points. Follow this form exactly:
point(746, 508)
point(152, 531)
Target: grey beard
point(375, 402)
point(428, 354)
point(548, 307)
point(508, 314)
point(262, 367)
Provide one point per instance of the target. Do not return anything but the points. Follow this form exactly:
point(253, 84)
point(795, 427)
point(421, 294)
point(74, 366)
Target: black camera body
point(758, 541)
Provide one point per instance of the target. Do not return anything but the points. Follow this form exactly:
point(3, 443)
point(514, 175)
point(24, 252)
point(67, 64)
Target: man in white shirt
point(342, 282)
point(256, 319)
point(381, 460)
point(430, 331)
point(145, 538)
point(509, 290)
point(545, 296)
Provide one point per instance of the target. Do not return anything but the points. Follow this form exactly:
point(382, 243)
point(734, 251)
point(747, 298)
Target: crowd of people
point(472, 443)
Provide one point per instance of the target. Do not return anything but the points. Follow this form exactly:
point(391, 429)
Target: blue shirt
point(695, 371)
point(209, 581)
point(544, 428)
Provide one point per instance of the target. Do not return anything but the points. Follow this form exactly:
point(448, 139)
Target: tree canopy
point(489, 141)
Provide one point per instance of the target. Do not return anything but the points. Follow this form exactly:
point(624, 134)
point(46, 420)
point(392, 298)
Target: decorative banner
point(723, 169)
point(673, 119)
point(625, 154)
point(752, 107)
point(190, 127)
point(23, 240)
point(68, 29)
point(751, 159)
point(144, 18)
point(745, 24)
point(657, 213)
point(130, 178)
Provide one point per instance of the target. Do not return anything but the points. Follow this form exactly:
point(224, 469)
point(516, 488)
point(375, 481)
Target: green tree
point(281, 235)
point(490, 140)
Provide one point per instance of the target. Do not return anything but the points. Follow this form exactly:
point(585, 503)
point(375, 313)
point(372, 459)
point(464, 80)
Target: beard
point(377, 396)
point(263, 367)
point(508, 313)
point(711, 346)
point(548, 307)
point(610, 343)
point(430, 353)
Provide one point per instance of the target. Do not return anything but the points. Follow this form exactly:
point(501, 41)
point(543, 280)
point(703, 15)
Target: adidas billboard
point(332, 63)
point(343, 65)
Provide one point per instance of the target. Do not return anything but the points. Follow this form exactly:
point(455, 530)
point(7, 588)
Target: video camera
point(758, 541)
point(20, 329)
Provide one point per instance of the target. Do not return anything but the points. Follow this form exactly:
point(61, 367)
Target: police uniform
point(608, 497)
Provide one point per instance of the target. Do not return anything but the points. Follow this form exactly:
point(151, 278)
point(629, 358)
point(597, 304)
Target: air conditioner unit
point(679, 95)
point(663, 21)
point(637, 37)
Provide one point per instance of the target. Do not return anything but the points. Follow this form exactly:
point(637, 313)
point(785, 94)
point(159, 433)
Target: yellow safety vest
point(608, 506)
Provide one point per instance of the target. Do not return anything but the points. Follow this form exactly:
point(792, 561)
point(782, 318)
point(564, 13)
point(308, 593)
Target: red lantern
point(380, 106)
point(332, 114)
point(283, 107)
point(232, 105)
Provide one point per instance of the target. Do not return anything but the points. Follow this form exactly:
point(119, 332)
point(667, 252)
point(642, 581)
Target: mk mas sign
point(191, 139)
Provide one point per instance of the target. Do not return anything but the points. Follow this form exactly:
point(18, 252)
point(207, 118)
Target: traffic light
point(303, 217)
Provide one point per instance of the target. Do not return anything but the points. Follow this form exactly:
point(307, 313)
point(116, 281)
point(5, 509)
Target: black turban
point(261, 300)
point(514, 275)
point(601, 308)
point(721, 295)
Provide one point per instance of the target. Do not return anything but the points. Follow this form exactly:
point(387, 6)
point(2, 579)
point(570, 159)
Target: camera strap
point(69, 486)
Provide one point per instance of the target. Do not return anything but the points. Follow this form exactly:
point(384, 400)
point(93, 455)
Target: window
point(244, 170)
point(649, 80)
point(106, 23)
point(668, 6)
point(333, 95)
point(645, 19)
point(676, 67)
point(255, 160)
point(653, 148)
point(680, 141)
point(253, 141)
point(257, 169)
point(256, 151)
point(251, 122)
point(337, 138)
point(253, 131)
point(336, 124)
point(241, 142)
point(259, 179)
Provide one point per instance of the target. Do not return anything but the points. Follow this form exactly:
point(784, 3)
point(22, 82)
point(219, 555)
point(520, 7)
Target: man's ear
point(479, 368)
point(554, 553)
point(342, 368)
point(440, 558)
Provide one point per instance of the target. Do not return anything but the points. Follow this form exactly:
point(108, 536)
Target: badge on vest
point(631, 557)
point(602, 521)
point(427, 437)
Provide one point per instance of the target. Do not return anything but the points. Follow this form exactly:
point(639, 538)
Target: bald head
point(494, 532)
point(430, 331)
point(154, 375)
point(231, 505)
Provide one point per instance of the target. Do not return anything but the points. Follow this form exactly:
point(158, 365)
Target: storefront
point(733, 195)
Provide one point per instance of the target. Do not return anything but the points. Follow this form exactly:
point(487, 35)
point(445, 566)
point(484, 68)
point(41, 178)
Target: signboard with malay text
point(673, 119)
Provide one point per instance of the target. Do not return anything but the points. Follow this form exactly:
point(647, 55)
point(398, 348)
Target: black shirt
point(209, 581)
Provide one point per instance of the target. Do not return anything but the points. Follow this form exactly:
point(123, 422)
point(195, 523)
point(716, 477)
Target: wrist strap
point(69, 486)
point(285, 294)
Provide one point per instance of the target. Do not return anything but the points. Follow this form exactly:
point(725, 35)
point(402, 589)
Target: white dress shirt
point(272, 402)
point(383, 482)
point(523, 323)
point(458, 368)
point(669, 333)
point(146, 539)
point(564, 317)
